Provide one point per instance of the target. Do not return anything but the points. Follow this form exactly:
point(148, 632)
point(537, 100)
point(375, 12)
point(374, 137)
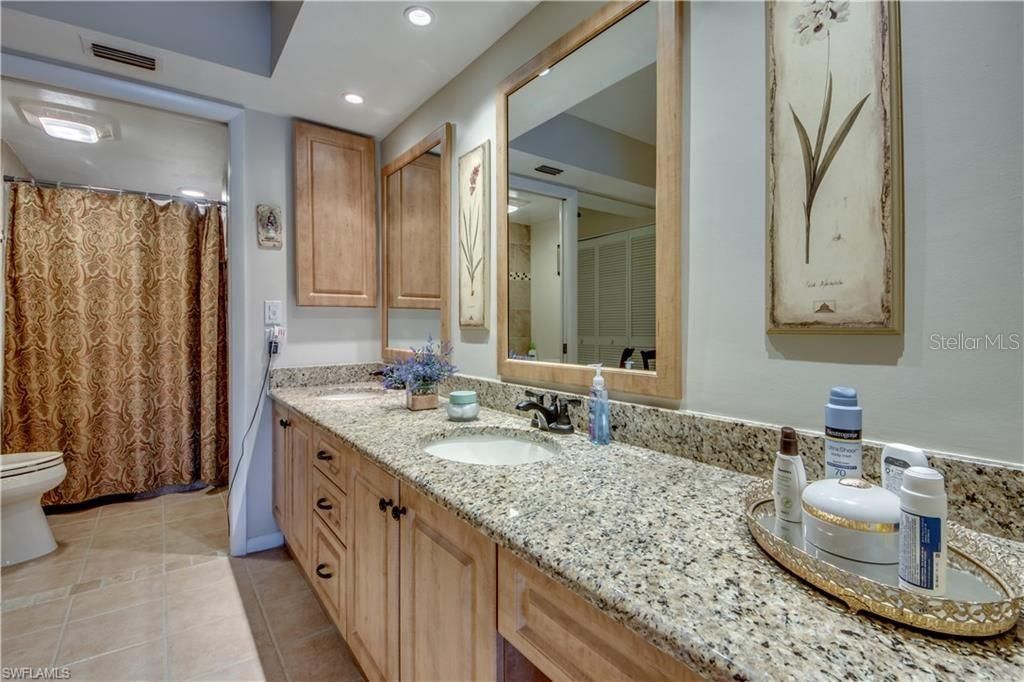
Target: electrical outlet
point(272, 312)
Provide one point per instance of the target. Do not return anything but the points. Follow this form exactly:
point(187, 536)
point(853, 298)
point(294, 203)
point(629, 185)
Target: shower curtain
point(115, 340)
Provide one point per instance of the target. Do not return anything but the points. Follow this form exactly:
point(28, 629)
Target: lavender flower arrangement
point(420, 374)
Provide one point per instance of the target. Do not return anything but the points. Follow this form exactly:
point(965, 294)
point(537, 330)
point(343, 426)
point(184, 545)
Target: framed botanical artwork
point(474, 235)
point(834, 168)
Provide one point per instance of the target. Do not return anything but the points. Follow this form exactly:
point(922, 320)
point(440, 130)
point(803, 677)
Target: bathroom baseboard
point(262, 542)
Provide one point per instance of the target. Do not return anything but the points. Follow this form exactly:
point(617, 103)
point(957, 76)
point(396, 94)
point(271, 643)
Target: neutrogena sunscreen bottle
point(844, 451)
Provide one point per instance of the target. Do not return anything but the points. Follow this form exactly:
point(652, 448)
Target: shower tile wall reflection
point(519, 288)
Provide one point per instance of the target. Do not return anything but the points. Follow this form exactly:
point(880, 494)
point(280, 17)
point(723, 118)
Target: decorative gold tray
point(985, 583)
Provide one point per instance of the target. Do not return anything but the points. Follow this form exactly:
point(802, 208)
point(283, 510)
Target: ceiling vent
point(548, 170)
point(114, 54)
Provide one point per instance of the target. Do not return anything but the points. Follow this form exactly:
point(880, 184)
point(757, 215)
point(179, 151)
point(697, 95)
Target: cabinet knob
point(384, 504)
point(323, 574)
point(285, 423)
point(322, 455)
point(322, 503)
point(397, 512)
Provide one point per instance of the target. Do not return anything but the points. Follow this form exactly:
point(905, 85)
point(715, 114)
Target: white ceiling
point(536, 208)
point(334, 47)
point(628, 107)
point(154, 151)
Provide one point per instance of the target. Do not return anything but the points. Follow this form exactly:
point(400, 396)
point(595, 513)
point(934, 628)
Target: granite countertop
point(659, 543)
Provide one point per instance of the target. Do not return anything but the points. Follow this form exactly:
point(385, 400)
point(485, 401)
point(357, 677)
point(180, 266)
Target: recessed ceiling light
point(544, 72)
point(69, 130)
point(512, 209)
point(419, 16)
point(194, 193)
point(353, 98)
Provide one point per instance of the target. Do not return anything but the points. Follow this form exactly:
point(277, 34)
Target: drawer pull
point(323, 456)
point(322, 503)
point(285, 423)
point(384, 504)
point(321, 574)
point(397, 512)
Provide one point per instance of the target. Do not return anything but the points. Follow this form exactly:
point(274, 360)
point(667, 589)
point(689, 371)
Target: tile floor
point(145, 591)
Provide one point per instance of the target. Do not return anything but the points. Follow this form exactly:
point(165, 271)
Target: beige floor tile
point(263, 668)
point(199, 524)
point(205, 505)
point(118, 523)
point(206, 543)
point(40, 576)
point(280, 582)
point(174, 499)
point(140, 663)
point(218, 600)
point(33, 618)
point(203, 575)
point(64, 532)
point(72, 517)
point(104, 562)
point(296, 617)
point(212, 646)
point(33, 650)
point(131, 507)
point(323, 656)
point(267, 560)
point(111, 631)
point(115, 598)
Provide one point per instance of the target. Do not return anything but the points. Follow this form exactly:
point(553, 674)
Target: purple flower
point(420, 374)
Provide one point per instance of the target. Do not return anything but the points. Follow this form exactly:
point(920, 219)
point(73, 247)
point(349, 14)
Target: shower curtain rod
point(112, 190)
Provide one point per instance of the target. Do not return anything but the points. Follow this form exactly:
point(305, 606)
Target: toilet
point(24, 477)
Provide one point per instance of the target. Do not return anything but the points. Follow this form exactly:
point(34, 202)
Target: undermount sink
point(491, 447)
point(352, 393)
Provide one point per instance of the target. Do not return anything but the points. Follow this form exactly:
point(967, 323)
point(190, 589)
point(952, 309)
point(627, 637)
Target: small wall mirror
point(589, 185)
point(415, 190)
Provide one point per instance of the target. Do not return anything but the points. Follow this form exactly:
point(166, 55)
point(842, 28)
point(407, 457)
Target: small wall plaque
point(268, 226)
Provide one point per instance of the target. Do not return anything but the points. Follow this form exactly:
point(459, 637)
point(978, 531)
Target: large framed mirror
point(416, 210)
point(590, 173)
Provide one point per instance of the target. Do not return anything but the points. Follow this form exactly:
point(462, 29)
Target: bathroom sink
point(352, 393)
point(491, 447)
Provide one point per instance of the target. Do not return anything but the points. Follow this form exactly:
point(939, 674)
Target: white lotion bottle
point(896, 459)
point(788, 478)
point(923, 531)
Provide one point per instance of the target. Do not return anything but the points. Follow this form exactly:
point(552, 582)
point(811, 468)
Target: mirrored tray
point(984, 595)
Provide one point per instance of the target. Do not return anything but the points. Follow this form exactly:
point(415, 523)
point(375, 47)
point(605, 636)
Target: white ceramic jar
point(462, 406)
point(852, 518)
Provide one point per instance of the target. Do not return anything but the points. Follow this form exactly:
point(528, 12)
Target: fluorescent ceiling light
point(512, 209)
point(69, 130)
point(544, 72)
point(353, 98)
point(194, 193)
point(419, 16)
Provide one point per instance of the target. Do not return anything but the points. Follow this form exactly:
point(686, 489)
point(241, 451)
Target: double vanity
point(439, 559)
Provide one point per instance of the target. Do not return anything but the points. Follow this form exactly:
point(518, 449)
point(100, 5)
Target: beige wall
point(963, 108)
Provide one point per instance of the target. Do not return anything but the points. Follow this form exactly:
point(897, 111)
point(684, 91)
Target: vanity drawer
point(330, 566)
point(569, 639)
point(330, 504)
point(332, 459)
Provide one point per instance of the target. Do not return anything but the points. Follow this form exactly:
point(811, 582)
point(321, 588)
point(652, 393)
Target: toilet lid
point(24, 462)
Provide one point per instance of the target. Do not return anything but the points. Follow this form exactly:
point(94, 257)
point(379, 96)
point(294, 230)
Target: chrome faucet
point(553, 416)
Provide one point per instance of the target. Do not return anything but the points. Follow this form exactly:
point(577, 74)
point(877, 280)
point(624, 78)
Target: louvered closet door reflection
point(586, 304)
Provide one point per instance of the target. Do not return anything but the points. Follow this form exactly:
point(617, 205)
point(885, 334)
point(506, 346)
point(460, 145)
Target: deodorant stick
point(923, 531)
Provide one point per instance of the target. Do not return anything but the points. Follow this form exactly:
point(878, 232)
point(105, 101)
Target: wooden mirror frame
point(442, 136)
point(667, 381)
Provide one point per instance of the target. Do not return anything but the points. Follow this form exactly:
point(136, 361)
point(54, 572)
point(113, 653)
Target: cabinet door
point(448, 596)
point(373, 571)
point(280, 458)
point(300, 502)
point(335, 218)
point(330, 564)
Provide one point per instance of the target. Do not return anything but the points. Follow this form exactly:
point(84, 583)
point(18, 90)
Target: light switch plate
point(272, 312)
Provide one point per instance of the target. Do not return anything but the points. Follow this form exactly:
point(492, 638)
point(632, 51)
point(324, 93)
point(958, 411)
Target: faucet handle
point(536, 396)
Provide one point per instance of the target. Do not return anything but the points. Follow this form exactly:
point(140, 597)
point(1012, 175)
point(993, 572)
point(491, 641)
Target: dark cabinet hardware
point(384, 504)
point(322, 455)
point(322, 574)
point(397, 512)
point(322, 503)
point(285, 423)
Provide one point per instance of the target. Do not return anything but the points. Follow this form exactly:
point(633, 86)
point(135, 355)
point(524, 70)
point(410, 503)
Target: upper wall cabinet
point(335, 218)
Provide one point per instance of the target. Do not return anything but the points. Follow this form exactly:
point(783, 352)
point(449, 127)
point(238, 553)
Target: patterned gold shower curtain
point(115, 340)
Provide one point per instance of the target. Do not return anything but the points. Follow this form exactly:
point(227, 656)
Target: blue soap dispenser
point(599, 428)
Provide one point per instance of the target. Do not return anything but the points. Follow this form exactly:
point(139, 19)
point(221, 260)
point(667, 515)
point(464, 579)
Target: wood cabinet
point(298, 466)
point(280, 447)
point(569, 639)
point(330, 571)
point(373, 566)
point(335, 218)
point(414, 236)
point(448, 610)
